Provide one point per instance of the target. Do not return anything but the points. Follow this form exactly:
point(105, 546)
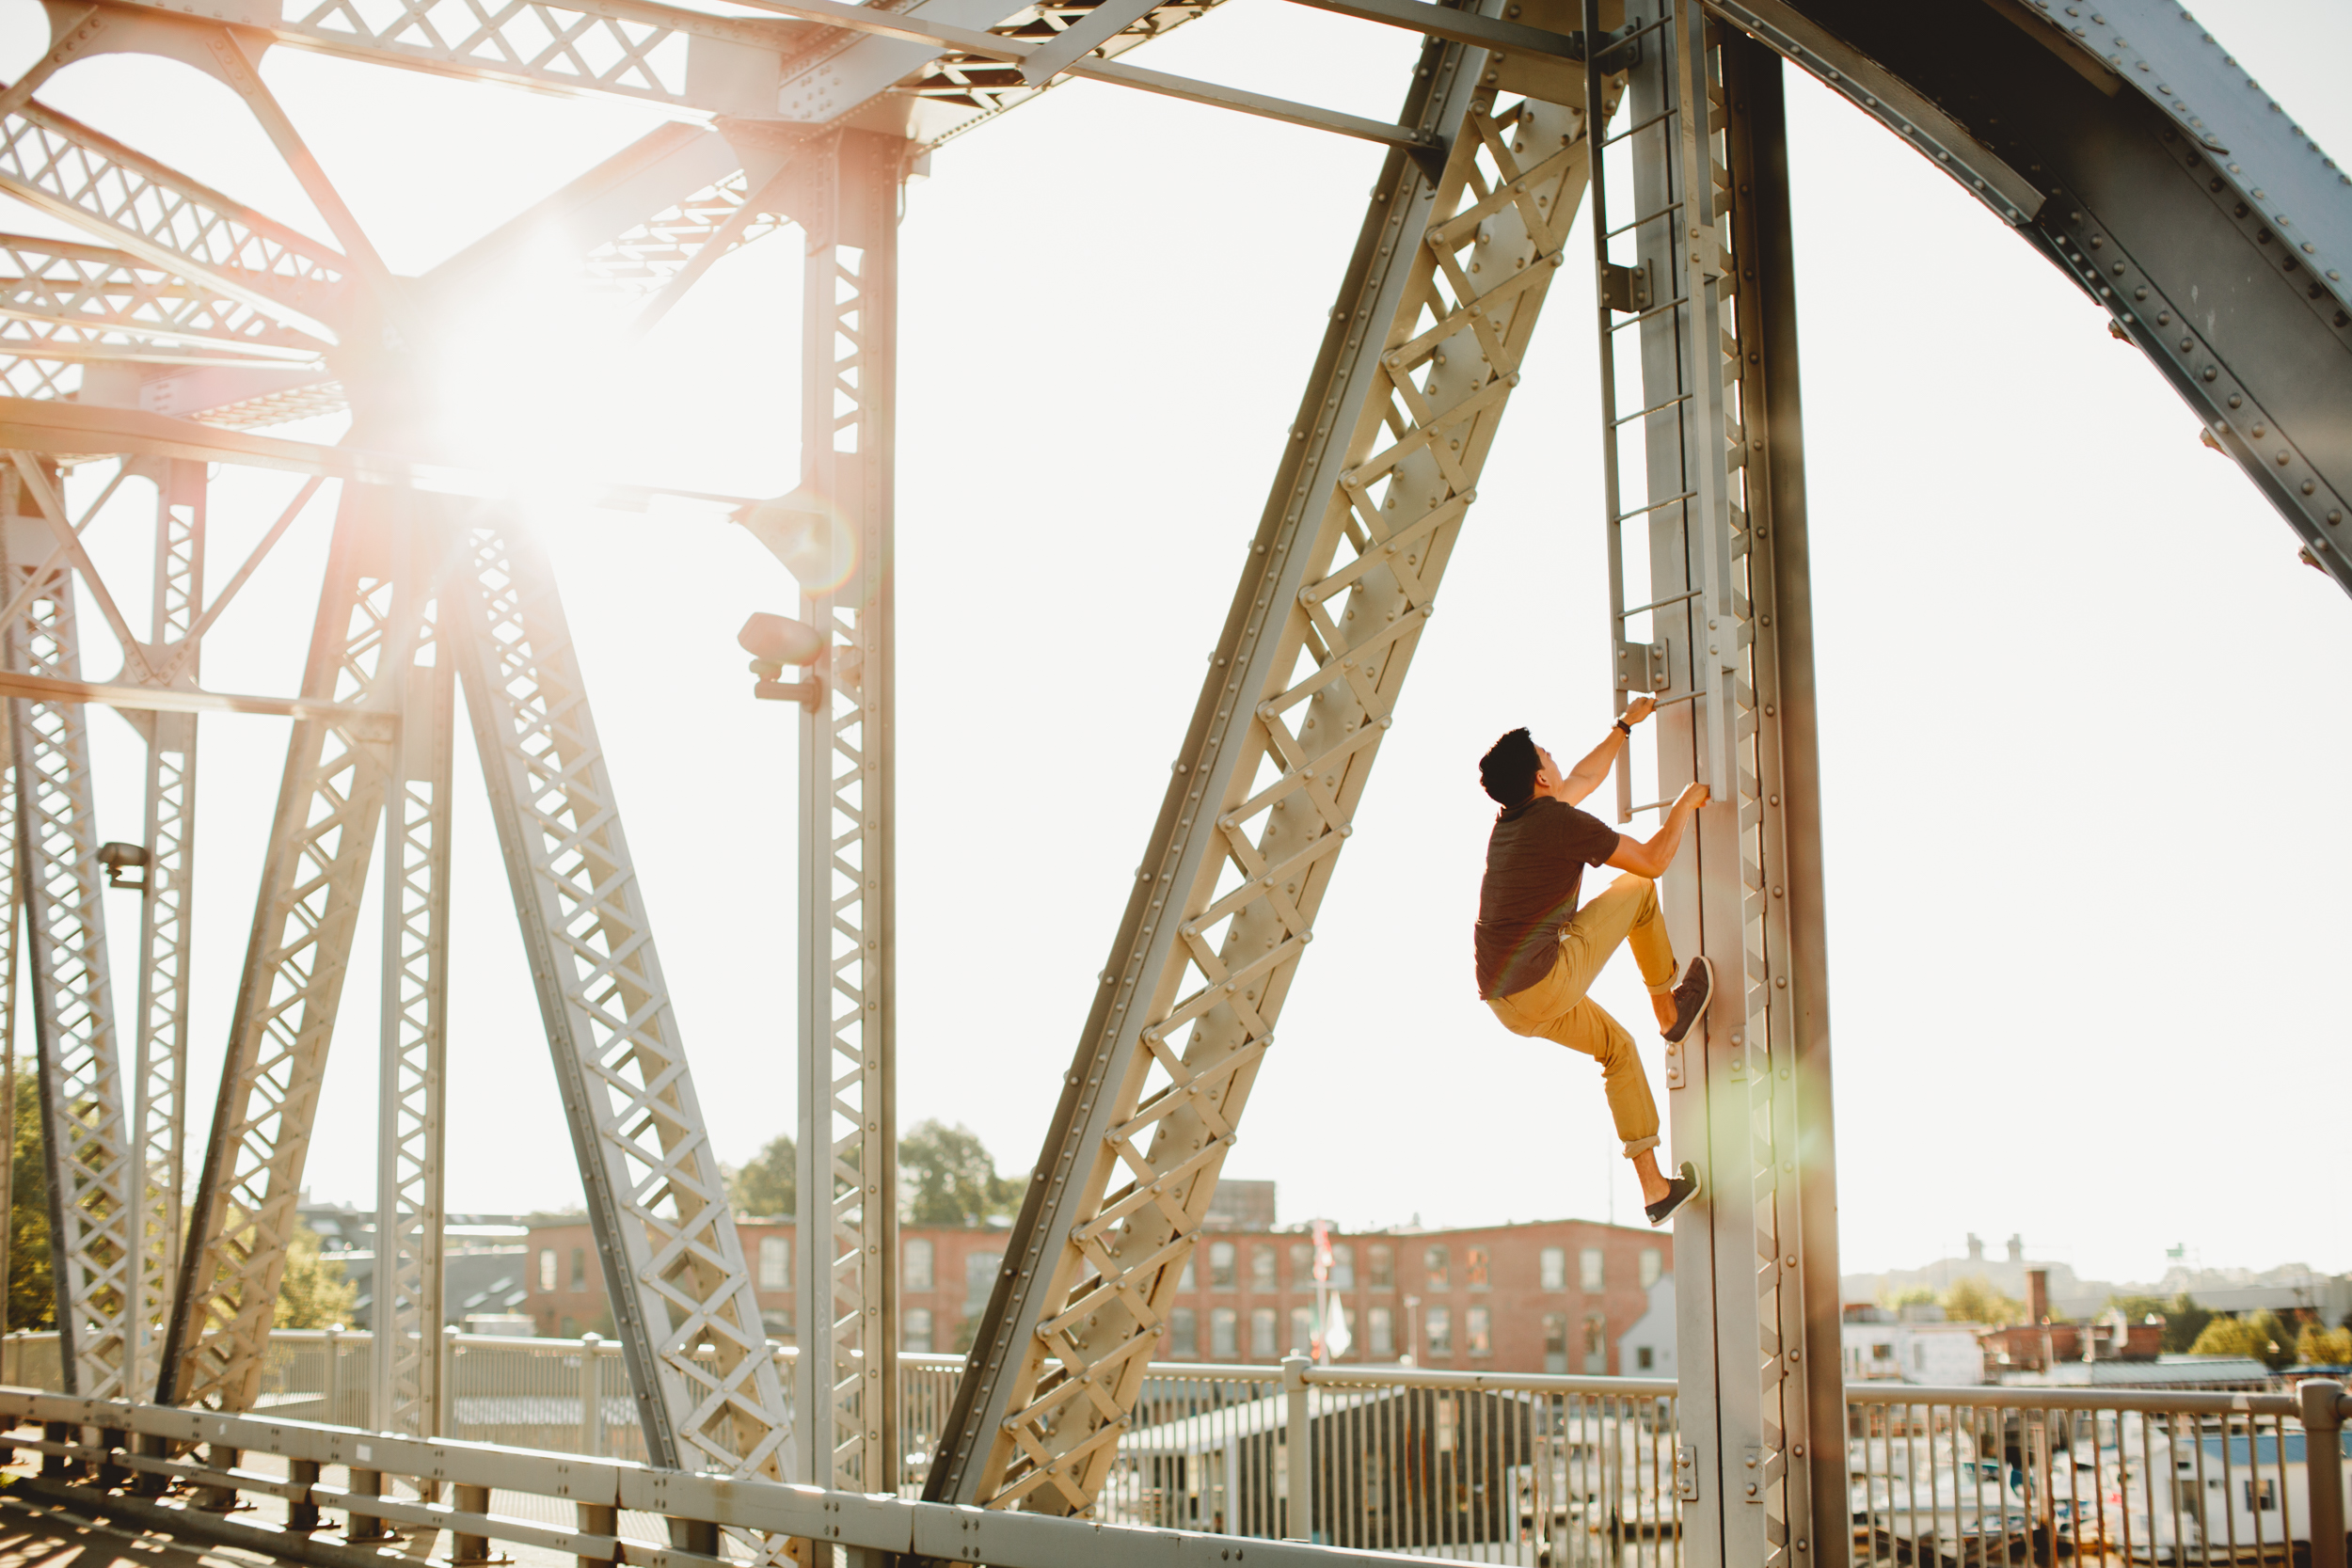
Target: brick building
point(1548, 1295)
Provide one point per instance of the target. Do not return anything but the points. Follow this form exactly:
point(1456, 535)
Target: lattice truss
point(650, 256)
point(411, 1078)
point(65, 301)
point(160, 1068)
point(329, 809)
point(1414, 430)
point(845, 298)
point(993, 87)
point(671, 1252)
point(1708, 535)
point(85, 1138)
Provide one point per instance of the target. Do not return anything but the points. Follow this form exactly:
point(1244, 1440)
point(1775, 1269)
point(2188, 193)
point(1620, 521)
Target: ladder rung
point(1627, 517)
point(1653, 217)
point(1653, 310)
point(1653, 408)
point(1636, 130)
point(1628, 614)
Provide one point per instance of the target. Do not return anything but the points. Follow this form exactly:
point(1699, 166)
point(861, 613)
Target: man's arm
point(1651, 858)
point(1588, 775)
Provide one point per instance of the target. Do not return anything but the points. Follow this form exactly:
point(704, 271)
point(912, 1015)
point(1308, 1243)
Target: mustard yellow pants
point(1556, 1008)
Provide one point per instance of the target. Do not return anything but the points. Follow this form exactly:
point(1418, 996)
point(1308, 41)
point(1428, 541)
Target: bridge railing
point(1543, 1471)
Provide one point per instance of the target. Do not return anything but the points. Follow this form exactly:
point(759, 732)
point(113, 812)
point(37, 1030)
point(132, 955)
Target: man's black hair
point(1508, 769)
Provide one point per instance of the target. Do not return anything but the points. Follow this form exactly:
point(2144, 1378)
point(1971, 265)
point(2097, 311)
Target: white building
point(1648, 1349)
point(1914, 1348)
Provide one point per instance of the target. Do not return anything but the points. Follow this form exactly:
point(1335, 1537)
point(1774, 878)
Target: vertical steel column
point(1437, 305)
point(330, 803)
point(846, 1272)
point(86, 1134)
point(1709, 291)
point(12, 905)
point(160, 1062)
point(672, 1263)
point(411, 1068)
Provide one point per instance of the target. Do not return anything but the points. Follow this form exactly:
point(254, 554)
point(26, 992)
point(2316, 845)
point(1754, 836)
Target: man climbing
point(1538, 953)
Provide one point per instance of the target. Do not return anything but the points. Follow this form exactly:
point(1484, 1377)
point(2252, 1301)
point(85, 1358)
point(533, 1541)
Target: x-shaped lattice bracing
point(1335, 624)
point(56, 164)
point(87, 1135)
point(62, 300)
point(675, 1264)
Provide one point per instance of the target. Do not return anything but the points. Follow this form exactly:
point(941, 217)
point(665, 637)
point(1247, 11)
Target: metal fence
point(1542, 1471)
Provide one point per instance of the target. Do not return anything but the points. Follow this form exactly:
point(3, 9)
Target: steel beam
point(1434, 314)
point(160, 1067)
point(85, 1136)
point(1705, 288)
point(844, 1277)
point(62, 300)
point(412, 1065)
point(329, 805)
point(671, 1257)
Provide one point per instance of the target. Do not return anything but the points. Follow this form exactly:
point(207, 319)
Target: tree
point(2316, 1346)
point(313, 1293)
point(31, 1289)
point(767, 1185)
point(1974, 1300)
point(2259, 1334)
point(1918, 1295)
point(946, 1176)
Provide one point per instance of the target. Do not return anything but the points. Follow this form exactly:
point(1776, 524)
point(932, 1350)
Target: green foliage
point(2260, 1335)
point(313, 1293)
point(946, 1176)
point(31, 1289)
point(1918, 1295)
point(2316, 1346)
point(1974, 1300)
point(767, 1186)
point(2183, 1320)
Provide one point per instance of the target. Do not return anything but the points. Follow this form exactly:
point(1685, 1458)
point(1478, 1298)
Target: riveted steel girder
point(844, 1277)
point(672, 1263)
point(2172, 190)
point(329, 805)
point(86, 1133)
point(1438, 302)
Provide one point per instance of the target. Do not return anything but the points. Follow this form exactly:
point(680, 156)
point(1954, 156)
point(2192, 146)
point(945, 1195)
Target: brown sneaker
point(1680, 1189)
point(1691, 998)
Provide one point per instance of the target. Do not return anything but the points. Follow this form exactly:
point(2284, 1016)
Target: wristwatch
point(1624, 729)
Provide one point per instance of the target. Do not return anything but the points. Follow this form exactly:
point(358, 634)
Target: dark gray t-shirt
point(1536, 861)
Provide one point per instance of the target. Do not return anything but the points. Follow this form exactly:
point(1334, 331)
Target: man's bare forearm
point(1586, 776)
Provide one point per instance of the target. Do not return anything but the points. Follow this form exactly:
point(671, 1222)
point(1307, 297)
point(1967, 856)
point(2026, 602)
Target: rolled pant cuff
point(1640, 1147)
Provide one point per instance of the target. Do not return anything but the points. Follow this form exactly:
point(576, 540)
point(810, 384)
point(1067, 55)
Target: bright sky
point(2082, 706)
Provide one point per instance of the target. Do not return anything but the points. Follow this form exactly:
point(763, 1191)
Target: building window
point(1882, 1351)
point(1556, 1341)
point(1653, 1264)
point(1263, 1320)
point(580, 1268)
point(1596, 1345)
point(1438, 1324)
point(1220, 1265)
point(1302, 1330)
point(916, 1275)
point(1224, 1326)
point(1261, 1269)
point(1381, 1266)
point(1918, 1356)
point(1184, 1335)
point(1382, 1335)
point(1588, 1268)
point(1185, 1281)
point(915, 1329)
point(1474, 1269)
point(775, 1263)
point(1437, 1266)
point(979, 1280)
point(1343, 1266)
point(1479, 1328)
point(1644, 1358)
point(547, 1268)
point(1302, 1265)
point(1551, 1267)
